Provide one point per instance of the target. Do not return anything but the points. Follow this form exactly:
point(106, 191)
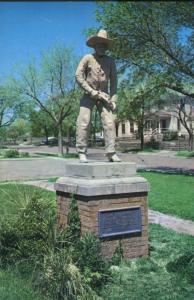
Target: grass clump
point(60, 263)
point(185, 153)
point(14, 287)
point(24, 154)
point(27, 236)
point(157, 276)
point(13, 153)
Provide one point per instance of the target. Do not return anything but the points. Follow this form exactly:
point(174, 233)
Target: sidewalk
point(21, 169)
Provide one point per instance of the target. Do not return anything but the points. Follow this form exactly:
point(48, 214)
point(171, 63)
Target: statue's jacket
point(94, 73)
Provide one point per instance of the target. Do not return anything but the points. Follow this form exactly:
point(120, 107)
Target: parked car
point(51, 141)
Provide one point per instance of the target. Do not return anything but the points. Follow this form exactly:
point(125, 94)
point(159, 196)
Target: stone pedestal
point(112, 204)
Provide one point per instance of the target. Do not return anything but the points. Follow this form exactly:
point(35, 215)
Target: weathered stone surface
point(100, 169)
point(109, 186)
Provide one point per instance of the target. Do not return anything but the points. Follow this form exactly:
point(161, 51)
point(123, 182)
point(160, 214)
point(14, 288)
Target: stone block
point(100, 170)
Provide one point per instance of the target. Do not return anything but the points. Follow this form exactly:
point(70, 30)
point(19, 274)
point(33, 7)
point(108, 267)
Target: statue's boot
point(83, 158)
point(112, 157)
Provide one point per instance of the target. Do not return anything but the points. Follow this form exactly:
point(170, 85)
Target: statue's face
point(101, 48)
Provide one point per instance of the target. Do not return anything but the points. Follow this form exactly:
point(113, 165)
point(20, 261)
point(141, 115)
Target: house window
point(123, 128)
point(131, 127)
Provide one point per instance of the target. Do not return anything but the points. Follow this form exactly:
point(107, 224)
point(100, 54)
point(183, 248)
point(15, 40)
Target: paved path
point(158, 159)
point(37, 168)
point(177, 224)
point(21, 169)
point(174, 223)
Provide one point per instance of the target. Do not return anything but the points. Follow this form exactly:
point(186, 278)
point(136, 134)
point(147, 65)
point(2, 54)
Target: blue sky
point(27, 28)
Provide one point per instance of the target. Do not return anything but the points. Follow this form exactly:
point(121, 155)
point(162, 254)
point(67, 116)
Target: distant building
point(158, 122)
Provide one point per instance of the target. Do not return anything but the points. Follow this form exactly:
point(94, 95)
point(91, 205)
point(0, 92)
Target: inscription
point(119, 222)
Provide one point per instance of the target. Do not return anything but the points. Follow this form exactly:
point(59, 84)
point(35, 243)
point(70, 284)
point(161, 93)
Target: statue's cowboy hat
point(101, 37)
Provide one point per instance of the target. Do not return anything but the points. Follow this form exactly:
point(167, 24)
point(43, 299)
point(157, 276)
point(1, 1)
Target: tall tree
point(41, 124)
point(183, 110)
point(51, 85)
point(11, 105)
point(136, 98)
point(17, 129)
point(155, 37)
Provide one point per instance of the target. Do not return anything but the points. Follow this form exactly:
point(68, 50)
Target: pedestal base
point(114, 208)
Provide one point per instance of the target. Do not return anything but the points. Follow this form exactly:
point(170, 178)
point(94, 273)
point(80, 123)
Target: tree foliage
point(51, 85)
point(11, 105)
point(148, 38)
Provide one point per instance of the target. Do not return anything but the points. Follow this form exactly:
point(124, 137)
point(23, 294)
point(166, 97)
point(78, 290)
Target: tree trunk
point(60, 140)
point(142, 126)
point(142, 137)
point(46, 134)
point(68, 141)
point(190, 141)
point(191, 129)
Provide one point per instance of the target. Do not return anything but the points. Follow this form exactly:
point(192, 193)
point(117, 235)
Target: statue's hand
point(103, 96)
point(95, 95)
point(113, 106)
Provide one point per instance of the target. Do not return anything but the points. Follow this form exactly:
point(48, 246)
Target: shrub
point(89, 259)
point(61, 279)
point(118, 255)
point(27, 236)
point(62, 264)
point(170, 136)
point(11, 153)
point(73, 230)
point(153, 144)
point(24, 154)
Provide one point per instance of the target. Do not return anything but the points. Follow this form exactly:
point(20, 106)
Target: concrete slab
point(100, 169)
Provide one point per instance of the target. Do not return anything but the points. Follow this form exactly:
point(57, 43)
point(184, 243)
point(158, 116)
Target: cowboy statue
point(95, 73)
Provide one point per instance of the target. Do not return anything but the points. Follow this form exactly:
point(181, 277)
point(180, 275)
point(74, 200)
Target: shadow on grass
point(183, 265)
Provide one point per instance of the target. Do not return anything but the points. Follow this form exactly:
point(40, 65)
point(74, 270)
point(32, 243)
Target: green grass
point(167, 274)
point(135, 151)
point(53, 179)
point(185, 153)
point(14, 197)
point(148, 149)
point(69, 155)
point(12, 153)
point(171, 194)
point(12, 287)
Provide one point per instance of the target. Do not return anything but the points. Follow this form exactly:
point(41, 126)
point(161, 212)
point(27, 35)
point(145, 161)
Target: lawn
point(185, 153)
point(171, 194)
point(14, 196)
point(13, 287)
point(168, 273)
point(13, 153)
